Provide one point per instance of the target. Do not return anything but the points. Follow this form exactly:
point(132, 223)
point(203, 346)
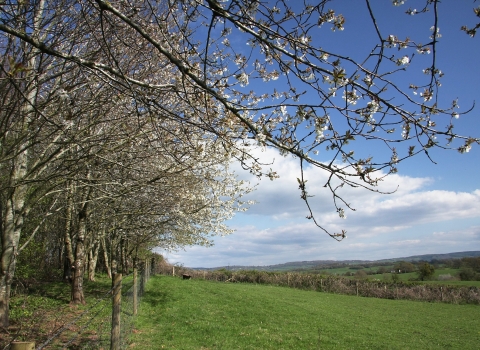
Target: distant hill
point(319, 264)
point(429, 257)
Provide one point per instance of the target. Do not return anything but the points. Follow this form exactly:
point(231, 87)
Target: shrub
point(361, 274)
point(468, 274)
point(382, 270)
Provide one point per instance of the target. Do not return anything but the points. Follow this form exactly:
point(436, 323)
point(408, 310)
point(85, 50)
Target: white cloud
point(404, 223)
point(409, 205)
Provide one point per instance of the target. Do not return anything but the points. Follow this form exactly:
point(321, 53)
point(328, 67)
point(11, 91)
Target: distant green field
point(197, 314)
point(407, 276)
point(434, 279)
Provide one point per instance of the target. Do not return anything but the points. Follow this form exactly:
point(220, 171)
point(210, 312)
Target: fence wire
point(91, 329)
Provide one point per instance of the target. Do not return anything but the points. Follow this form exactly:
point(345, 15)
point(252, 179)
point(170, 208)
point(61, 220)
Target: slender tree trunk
point(80, 251)
point(78, 266)
point(124, 255)
point(105, 257)
point(92, 260)
point(69, 258)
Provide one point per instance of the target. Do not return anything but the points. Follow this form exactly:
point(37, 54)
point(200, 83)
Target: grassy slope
point(197, 314)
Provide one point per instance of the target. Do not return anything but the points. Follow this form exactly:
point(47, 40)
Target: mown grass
point(197, 314)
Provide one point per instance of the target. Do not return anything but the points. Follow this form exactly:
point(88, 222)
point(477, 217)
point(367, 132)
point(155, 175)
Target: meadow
point(198, 314)
point(410, 276)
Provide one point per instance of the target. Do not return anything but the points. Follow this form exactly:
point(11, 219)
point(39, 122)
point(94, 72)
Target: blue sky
point(436, 208)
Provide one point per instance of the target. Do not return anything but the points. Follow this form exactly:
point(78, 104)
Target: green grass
point(197, 314)
point(46, 308)
point(434, 279)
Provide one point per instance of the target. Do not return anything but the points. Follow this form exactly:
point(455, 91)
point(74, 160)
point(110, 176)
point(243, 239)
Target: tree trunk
point(13, 224)
point(69, 258)
point(92, 260)
point(105, 257)
point(79, 264)
point(15, 210)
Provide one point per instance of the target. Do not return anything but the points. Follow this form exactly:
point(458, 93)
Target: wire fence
point(335, 284)
point(91, 328)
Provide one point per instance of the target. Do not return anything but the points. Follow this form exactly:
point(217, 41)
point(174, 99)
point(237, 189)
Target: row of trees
point(120, 119)
point(87, 166)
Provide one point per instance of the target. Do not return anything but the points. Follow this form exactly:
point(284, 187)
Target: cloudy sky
point(435, 208)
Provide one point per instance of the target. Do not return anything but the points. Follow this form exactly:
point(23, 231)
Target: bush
point(468, 274)
point(361, 274)
point(382, 270)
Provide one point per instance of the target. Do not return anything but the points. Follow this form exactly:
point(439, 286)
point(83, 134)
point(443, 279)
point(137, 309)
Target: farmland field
point(197, 314)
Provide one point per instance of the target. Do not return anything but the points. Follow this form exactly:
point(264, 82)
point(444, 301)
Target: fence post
point(135, 290)
point(116, 302)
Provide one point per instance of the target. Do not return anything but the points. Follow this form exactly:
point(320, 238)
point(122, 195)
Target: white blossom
point(403, 61)
point(243, 79)
point(350, 96)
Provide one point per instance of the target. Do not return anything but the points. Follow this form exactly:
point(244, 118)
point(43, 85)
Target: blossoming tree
point(180, 64)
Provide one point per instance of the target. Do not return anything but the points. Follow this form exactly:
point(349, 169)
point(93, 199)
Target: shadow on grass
point(154, 298)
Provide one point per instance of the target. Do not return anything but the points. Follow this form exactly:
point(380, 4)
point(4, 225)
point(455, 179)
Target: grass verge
point(197, 314)
point(44, 311)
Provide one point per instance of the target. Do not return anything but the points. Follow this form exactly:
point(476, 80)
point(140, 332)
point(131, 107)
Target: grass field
point(197, 314)
point(434, 279)
point(410, 276)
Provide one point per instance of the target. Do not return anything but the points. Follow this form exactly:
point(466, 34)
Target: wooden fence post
point(116, 302)
point(135, 290)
